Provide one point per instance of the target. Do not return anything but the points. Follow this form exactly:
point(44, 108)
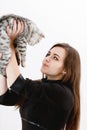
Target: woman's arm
point(12, 69)
point(12, 72)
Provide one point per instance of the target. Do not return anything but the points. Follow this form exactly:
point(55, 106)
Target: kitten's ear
point(35, 34)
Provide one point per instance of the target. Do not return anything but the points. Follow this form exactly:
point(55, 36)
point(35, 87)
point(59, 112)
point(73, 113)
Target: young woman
point(52, 103)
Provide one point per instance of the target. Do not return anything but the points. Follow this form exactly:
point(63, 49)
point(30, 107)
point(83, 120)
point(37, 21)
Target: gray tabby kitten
point(31, 35)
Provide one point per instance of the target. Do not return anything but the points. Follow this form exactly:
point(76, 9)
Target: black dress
point(47, 103)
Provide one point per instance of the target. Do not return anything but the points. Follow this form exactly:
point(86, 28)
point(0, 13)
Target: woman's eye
point(55, 58)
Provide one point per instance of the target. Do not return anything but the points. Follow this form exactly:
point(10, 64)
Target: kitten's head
point(34, 34)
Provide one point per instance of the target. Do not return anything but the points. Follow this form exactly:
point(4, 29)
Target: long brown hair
point(73, 72)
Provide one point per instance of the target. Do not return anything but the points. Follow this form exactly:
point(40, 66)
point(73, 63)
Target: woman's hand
point(18, 27)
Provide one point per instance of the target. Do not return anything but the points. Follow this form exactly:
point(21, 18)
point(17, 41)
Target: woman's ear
point(64, 72)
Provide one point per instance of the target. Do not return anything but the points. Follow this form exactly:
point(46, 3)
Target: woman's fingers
point(14, 30)
point(8, 30)
point(20, 27)
point(0, 55)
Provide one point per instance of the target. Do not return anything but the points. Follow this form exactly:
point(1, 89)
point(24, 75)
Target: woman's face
point(53, 63)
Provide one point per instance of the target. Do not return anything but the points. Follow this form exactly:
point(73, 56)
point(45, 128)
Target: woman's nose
point(48, 58)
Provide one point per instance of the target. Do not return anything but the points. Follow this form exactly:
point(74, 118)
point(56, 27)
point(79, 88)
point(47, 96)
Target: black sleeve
point(10, 98)
point(13, 95)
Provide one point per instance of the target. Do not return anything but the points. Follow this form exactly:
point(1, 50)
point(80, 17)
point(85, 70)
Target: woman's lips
point(45, 65)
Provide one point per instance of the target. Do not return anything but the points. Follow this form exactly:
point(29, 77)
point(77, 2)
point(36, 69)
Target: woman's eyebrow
point(54, 54)
point(57, 55)
point(49, 51)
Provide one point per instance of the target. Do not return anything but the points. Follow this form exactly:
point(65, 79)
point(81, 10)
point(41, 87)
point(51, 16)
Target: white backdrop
point(60, 21)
